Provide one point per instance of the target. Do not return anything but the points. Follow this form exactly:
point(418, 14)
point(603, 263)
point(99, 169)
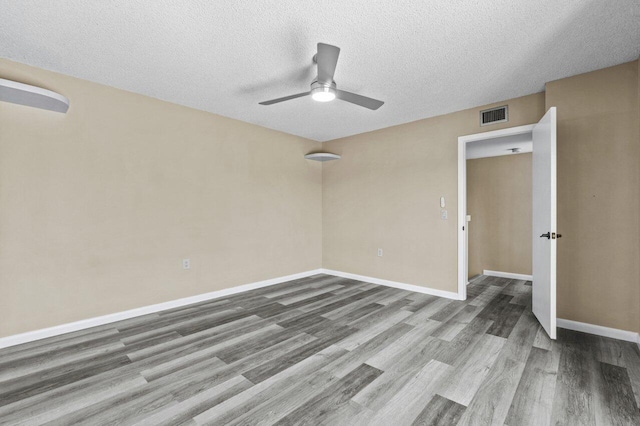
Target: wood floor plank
point(462, 345)
point(235, 407)
point(228, 337)
point(400, 363)
point(534, 399)
point(631, 357)
point(503, 379)
point(327, 350)
point(364, 352)
point(372, 327)
point(49, 410)
point(37, 383)
point(44, 367)
point(462, 385)
point(522, 337)
point(506, 320)
point(441, 412)
point(615, 404)
point(410, 400)
point(191, 407)
point(315, 410)
point(271, 368)
point(54, 350)
point(285, 402)
point(365, 297)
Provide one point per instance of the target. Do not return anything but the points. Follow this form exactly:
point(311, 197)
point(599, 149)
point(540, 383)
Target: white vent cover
point(494, 115)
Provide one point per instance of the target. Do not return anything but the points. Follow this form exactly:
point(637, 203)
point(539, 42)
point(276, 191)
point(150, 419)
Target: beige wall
point(99, 206)
point(598, 197)
point(499, 202)
point(385, 193)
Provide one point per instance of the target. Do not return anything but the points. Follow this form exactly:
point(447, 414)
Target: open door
point(544, 222)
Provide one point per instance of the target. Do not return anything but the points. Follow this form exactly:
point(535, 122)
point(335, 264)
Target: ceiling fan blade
point(327, 60)
point(286, 98)
point(359, 99)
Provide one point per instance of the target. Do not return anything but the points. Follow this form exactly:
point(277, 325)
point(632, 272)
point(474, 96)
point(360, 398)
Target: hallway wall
point(499, 202)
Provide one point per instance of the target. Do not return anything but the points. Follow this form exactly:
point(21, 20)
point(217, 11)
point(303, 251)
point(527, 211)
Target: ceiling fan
point(323, 88)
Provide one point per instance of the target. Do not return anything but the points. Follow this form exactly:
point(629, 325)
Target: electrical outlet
point(443, 214)
point(186, 263)
point(380, 252)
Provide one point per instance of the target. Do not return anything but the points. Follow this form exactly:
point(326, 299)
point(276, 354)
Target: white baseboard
point(598, 330)
point(507, 275)
point(395, 284)
point(119, 316)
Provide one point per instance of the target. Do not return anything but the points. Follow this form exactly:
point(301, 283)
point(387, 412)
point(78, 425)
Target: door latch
point(551, 236)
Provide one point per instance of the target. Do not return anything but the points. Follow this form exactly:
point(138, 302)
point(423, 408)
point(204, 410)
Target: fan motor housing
point(317, 85)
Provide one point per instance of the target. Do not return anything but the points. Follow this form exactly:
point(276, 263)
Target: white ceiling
point(423, 58)
point(496, 147)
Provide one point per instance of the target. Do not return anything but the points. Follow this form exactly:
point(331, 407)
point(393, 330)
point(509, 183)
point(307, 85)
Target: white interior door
point(544, 222)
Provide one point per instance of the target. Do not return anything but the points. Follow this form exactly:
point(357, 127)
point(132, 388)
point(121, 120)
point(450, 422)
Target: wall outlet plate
point(380, 252)
point(186, 263)
point(443, 214)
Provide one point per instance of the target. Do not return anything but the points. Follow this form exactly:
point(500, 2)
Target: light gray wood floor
point(327, 350)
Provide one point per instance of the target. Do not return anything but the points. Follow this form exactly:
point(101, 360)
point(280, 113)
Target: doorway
point(499, 197)
point(540, 140)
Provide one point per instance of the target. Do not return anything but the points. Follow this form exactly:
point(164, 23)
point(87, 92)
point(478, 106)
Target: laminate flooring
point(327, 350)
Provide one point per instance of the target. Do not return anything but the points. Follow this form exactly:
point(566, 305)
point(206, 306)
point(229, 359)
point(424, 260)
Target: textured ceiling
point(423, 58)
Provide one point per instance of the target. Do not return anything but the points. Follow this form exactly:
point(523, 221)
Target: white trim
point(119, 316)
point(510, 275)
point(598, 330)
point(463, 263)
point(394, 284)
point(510, 131)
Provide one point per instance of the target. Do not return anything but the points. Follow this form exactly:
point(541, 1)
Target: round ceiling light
point(323, 94)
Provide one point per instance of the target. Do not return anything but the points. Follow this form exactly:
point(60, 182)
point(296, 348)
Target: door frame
point(463, 243)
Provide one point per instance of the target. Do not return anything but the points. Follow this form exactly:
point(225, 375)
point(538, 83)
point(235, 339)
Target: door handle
point(550, 235)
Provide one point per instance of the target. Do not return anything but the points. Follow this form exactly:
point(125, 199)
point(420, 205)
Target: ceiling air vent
point(494, 115)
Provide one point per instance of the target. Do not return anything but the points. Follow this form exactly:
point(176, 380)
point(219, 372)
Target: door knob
point(547, 235)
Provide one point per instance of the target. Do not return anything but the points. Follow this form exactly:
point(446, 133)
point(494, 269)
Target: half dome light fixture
point(32, 96)
point(322, 156)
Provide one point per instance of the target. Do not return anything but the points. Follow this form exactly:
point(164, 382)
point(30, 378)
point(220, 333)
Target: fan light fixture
point(323, 95)
point(323, 88)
